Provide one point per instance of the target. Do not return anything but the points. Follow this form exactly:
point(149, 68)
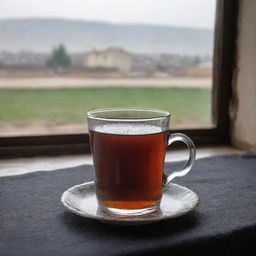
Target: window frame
point(225, 35)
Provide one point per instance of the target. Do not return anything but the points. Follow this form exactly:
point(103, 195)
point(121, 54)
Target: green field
point(57, 106)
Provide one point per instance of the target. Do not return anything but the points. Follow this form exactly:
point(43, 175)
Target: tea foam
point(128, 129)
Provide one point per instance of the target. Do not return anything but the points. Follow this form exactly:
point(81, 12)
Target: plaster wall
point(243, 109)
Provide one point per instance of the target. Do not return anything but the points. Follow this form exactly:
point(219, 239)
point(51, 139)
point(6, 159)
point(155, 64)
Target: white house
point(109, 58)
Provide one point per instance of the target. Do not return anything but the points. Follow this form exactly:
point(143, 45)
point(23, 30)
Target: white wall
point(243, 112)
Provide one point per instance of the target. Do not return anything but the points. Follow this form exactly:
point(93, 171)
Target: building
point(110, 58)
point(23, 58)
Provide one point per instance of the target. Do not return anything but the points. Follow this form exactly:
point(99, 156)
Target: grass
point(69, 105)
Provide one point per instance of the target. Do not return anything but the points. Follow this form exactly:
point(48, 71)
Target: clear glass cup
point(128, 147)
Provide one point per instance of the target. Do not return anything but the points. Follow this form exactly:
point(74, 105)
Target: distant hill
point(41, 35)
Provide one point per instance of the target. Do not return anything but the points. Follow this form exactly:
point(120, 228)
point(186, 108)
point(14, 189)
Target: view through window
point(60, 59)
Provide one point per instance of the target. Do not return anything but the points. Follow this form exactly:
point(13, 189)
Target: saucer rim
point(128, 220)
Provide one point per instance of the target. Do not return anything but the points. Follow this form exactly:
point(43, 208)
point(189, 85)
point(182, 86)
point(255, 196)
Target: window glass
point(79, 55)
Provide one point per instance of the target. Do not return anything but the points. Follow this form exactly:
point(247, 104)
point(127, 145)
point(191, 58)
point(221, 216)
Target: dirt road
point(62, 82)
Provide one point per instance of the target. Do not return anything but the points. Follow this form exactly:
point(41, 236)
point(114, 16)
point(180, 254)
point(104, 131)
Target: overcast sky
point(192, 13)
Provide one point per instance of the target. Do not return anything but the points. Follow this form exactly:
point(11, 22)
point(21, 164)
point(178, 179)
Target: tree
point(197, 60)
point(59, 58)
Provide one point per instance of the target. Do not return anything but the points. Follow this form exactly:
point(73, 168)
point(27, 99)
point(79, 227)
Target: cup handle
point(192, 155)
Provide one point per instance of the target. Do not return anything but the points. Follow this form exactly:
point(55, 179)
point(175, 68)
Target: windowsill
point(32, 214)
point(26, 165)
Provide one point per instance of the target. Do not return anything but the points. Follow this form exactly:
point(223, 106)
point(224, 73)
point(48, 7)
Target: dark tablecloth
point(33, 221)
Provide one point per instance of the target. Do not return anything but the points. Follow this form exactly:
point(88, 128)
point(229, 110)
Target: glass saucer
point(176, 201)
